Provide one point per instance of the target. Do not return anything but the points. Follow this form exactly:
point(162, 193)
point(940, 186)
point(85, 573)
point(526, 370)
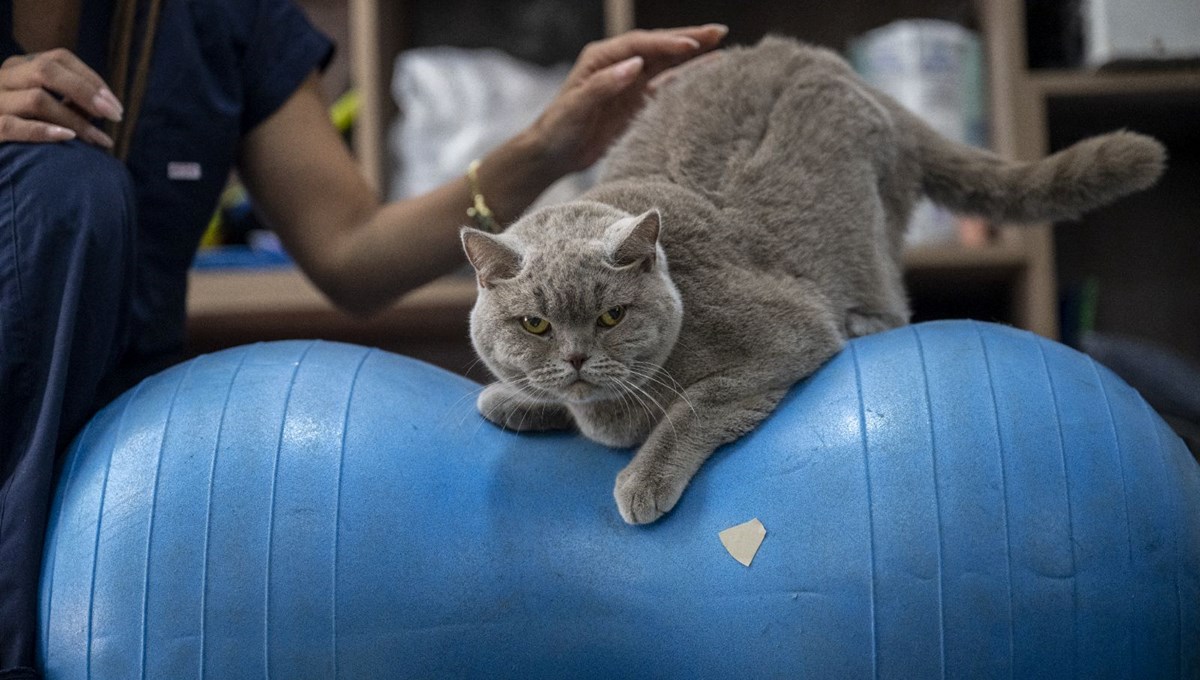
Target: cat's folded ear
point(493, 260)
point(635, 241)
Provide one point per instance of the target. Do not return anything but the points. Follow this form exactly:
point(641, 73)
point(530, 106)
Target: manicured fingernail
point(97, 137)
point(719, 28)
point(692, 42)
point(108, 106)
point(626, 70)
point(60, 134)
point(107, 94)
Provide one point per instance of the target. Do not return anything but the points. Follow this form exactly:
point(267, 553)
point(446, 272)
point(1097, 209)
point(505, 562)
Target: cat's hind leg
point(882, 302)
point(512, 409)
point(861, 322)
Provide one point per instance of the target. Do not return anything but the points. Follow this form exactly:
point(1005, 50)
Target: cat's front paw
point(644, 494)
point(512, 410)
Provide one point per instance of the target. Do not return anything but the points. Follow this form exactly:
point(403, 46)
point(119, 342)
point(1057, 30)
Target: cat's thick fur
point(745, 227)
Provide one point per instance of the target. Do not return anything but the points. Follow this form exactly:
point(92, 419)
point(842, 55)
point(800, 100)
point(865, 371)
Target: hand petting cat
point(607, 86)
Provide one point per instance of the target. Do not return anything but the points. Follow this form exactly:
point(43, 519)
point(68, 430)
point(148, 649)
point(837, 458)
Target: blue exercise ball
point(949, 499)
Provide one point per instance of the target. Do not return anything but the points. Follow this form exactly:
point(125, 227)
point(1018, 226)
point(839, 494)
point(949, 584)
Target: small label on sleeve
point(181, 170)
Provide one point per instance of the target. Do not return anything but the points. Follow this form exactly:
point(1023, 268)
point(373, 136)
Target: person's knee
point(67, 223)
point(69, 190)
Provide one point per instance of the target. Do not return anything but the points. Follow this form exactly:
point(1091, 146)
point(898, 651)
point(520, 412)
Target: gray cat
point(746, 226)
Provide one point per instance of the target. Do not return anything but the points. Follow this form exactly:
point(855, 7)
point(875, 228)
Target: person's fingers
point(16, 129)
point(708, 35)
point(607, 83)
point(41, 106)
point(667, 75)
point(64, 74)
point(650, 45)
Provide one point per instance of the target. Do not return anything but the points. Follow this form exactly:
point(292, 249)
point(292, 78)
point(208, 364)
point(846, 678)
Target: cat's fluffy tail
point(1089, 174)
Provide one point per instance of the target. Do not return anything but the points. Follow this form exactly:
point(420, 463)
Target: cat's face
point(575, 319)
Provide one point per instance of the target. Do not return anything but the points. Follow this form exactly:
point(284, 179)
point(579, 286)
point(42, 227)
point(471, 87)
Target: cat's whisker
point(636, 399)
point(659, 369)
point(516, 393)
point(649, 396)
point(487, 417)
point(473, 364)
point(466, 396)
point(654, 371)
point(679, 342)
point(665, 414)
point(473, 395)
point(542, 412)
point(630, 400)
point(681, 392)
point(675, 389)
point(525, 414)
point(620, 392)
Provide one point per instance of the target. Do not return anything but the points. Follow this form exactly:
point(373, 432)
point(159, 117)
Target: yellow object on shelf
point(214, 235)
point(342, 114)
point(345, 110)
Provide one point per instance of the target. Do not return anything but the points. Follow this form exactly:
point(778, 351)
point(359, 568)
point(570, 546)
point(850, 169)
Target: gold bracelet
point(480, 212)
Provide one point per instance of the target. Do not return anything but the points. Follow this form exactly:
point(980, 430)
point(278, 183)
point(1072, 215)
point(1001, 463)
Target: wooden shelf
point(987, 260)
point(230, 293)
point(229, 307)
point(1066, 83)
point(227, 293)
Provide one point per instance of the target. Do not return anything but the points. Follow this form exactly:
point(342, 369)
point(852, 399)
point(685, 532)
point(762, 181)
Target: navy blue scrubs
point(94, 254)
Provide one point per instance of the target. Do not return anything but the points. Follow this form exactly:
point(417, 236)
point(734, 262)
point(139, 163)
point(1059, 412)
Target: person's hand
point(50, 97)
point(607, 86)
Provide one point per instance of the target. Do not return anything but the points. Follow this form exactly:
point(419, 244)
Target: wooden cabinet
point(1012, 279)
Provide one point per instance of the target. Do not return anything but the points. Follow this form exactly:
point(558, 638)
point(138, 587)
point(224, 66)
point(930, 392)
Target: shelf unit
point(1066, 83)
point(238, 307)
point(1144, 251)
point(1018, 267)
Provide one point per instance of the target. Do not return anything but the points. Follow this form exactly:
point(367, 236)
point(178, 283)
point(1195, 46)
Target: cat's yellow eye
point(612, 317)
point(535, 324)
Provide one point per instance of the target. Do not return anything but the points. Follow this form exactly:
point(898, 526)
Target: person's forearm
point(363, 255)
point(408, 243)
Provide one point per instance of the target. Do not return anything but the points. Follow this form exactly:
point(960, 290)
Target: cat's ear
point(493, 261)
point(635, 241)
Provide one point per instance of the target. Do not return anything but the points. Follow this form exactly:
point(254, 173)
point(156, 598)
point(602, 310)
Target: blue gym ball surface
point(950, 499)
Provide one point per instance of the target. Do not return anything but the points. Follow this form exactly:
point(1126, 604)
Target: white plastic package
point(455, 105)
point(935, 68)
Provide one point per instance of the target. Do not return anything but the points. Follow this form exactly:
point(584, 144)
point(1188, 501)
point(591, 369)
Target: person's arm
point(363, 254)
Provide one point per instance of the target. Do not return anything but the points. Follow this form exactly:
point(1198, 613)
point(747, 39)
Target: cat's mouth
point(579, 389)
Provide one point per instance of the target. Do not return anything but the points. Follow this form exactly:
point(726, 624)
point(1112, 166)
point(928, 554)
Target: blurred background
point(420, 87)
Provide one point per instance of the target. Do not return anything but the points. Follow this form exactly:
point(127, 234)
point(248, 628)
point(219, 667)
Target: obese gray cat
point(745, 227)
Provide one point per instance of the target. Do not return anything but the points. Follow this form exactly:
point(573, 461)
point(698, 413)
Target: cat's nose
point(576, 360)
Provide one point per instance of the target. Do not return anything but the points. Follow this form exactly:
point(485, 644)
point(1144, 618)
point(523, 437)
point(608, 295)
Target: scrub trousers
point(67, 268)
